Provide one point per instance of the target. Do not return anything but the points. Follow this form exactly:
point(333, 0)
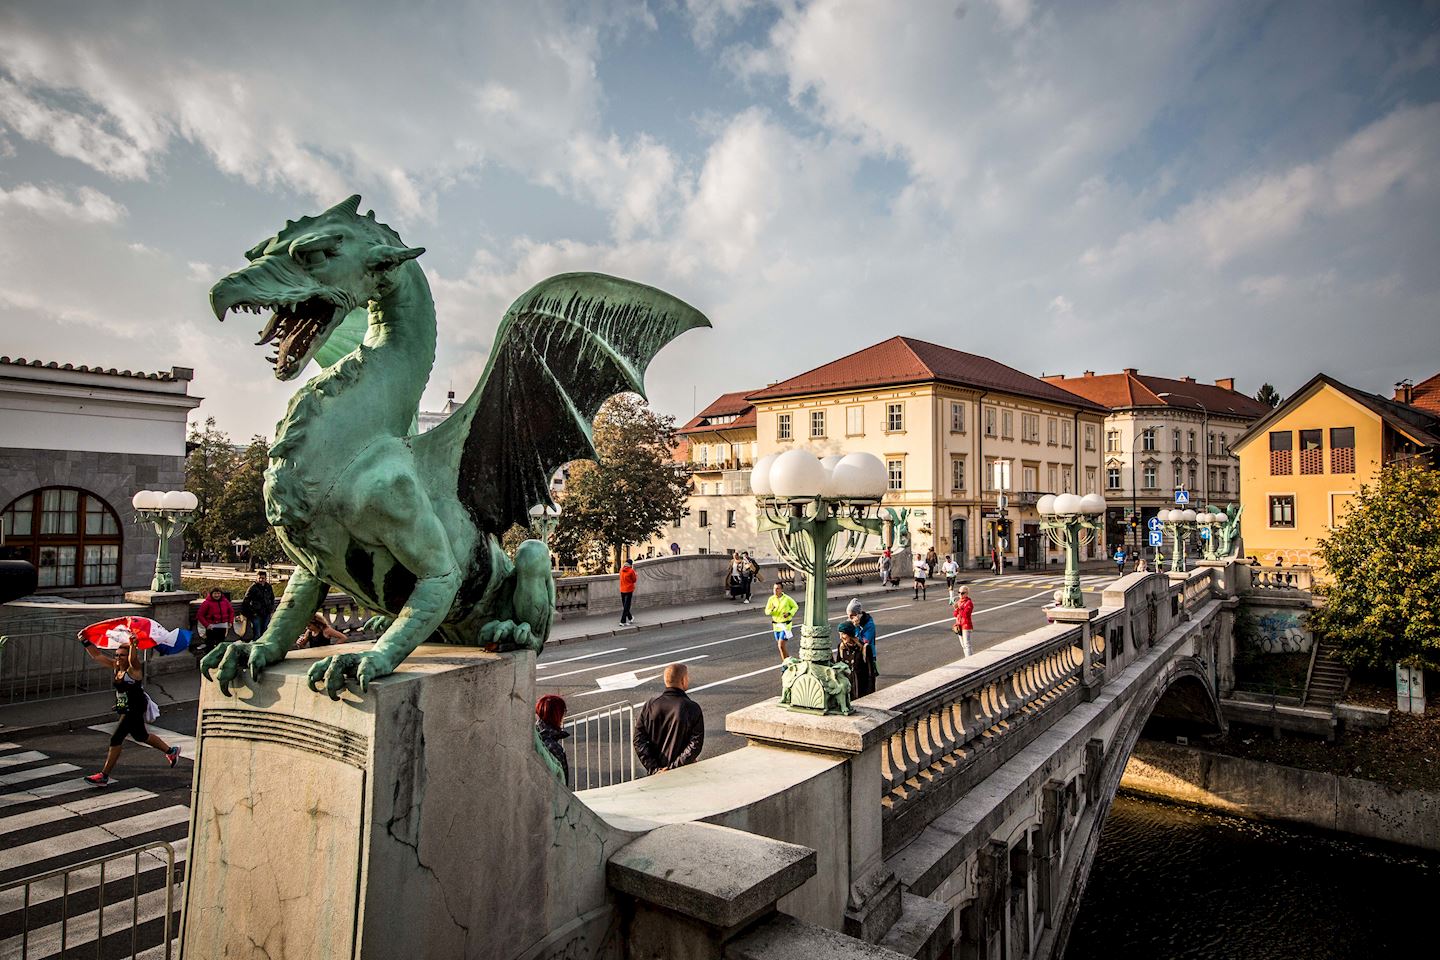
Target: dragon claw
point(334, 671)
point(237, 660)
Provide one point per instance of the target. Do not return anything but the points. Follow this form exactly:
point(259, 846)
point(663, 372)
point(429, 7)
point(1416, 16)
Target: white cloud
point(84, 204)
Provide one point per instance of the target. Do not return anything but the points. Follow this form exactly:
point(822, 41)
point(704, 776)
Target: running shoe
point(172, 756)
point(98, 780)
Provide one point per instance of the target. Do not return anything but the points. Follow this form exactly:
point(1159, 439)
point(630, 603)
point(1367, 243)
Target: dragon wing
point(564, 347)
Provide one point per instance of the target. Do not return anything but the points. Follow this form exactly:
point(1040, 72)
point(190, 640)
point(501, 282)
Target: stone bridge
point(955, 814)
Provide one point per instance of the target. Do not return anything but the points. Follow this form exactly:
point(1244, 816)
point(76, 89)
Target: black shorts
point(131, 724)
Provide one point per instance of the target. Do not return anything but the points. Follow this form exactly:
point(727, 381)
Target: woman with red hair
point(550, 728)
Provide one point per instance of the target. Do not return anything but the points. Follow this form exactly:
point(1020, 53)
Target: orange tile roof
point(907, 360)
point(726, 405)
point(1119, 391)
point(1426, 395)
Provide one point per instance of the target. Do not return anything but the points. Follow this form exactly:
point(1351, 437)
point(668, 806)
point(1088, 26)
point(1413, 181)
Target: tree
point(209, 460)
point(1268, 395)
point(1382, 605)
point(630, 492)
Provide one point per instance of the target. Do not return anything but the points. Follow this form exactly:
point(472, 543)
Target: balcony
point(718, 466)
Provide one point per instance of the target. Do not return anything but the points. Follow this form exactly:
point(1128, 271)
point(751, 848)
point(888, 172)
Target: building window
point(72, 537)
point(675, 523)
point(1152, 481)
point(1030, 427)
point(1147, 440)
point(1282, 512)
point(1224, 445)
point(894, 417)
point(1065, 480)
point(1089, 479)
point(1000, 475)
point(817, 423)
point(989, 421)
point(782, 427)
point(1280, 443)
point(1192, 441)
point(704, 518)
point(895, 471)
point(729, 518)
point(1052, 431)
point(1342, 449)
point(1007, 424)
point(1089, 436)
point(1210, 444)
point(957, 417)
point(702, 455)
point(704, 489)
point(1112, 478)
point(957, 473)
point(854, 421)
point(1065, 437)
point(1192, 478)
point(1050, 478)
point(1312, 453)
point(1112, 441)
point(1179, 476)
point(1029, 478)
point(1175, 440)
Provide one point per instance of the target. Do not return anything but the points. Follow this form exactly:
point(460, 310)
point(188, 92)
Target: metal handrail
point(64, 873)
point(597, 736)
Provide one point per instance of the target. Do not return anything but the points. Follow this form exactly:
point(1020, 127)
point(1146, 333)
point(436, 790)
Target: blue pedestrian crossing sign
point(1182, 495)
point(1155, 524)
point(1157, 538)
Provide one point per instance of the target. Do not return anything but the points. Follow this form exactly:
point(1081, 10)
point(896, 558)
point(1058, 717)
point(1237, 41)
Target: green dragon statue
point(409, 523)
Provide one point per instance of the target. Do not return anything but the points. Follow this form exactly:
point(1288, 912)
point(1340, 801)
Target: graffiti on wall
point(1282, 631)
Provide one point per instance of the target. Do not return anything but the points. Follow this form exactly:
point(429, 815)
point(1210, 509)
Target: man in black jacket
point(259, 604)
point(671, 730)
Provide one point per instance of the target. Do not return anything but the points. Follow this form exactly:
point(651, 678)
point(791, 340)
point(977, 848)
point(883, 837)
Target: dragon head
point(309, 276)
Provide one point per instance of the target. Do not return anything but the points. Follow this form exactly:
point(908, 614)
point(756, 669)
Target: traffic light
point(17, 579)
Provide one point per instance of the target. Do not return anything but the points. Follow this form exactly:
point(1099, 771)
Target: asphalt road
point(734, 662)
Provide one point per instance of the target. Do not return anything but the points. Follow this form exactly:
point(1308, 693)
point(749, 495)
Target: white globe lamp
point(1046, 505)
point(1067, 503)
point(797, 474)
point(760, 475)
point(1092, 504)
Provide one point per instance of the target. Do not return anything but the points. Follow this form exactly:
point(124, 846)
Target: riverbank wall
point(1267, 791)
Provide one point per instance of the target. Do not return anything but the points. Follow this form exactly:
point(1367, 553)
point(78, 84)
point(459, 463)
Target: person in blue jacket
point(864, 629)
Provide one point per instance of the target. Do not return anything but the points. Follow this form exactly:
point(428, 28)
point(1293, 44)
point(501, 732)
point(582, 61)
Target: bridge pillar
point(982, 934)
point(1048, 856)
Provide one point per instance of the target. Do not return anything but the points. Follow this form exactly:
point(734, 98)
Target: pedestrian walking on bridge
point(628, 578)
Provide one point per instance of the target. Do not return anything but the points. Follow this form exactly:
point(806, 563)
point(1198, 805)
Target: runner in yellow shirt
point(780, 608)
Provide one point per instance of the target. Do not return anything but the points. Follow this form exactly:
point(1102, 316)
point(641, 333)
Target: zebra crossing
point(1091, 583)
point(91, 892)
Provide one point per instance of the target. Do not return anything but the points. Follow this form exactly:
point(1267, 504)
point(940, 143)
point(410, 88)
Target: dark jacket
point(551, 737)
point(856, 654)
point(670, 731)
point(259, 600)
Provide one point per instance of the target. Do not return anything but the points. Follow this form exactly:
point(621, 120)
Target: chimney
point(1187, 379)
point(1226, 383)
point(1052, 377)
point(450, 395)
point(1132, 371)
point(1089, 373)
point(1405, 391)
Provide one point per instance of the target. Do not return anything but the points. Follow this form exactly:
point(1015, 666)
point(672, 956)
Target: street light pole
point(169, 513)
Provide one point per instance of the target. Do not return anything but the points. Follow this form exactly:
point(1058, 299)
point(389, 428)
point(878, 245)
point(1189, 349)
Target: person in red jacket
point(627, 593)
point(215, 618)
point(964, 618)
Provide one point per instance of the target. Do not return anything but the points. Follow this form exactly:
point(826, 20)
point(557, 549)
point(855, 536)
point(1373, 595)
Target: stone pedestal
point(416, 821)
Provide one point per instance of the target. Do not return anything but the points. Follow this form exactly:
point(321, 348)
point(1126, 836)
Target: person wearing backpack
point(855, 654)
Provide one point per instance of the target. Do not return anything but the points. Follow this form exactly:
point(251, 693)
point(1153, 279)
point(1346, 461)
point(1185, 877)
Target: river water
point(1177, 882)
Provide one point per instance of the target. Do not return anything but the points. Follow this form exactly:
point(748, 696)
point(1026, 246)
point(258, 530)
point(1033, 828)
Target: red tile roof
point(902, 360)
point(1426, 395)
point(1119, 391)
point(726, 405)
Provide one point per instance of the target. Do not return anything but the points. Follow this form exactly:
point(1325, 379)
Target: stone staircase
point(1329, 677)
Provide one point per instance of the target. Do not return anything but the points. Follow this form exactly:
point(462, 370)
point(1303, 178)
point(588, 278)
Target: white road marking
point(87, 878)
point(47, 791)
point(625, 681)
point(21, 776)
point(77, 840)
point(15, 759)
point(99, 800)
point(82, 929)
point(185, 743)
point(773, 668)
point(587, 656)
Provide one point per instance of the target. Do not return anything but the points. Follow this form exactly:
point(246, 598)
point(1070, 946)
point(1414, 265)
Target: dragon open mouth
point(294, 329)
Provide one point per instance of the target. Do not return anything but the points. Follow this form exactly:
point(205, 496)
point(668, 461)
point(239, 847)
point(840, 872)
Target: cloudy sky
point(1213, 189)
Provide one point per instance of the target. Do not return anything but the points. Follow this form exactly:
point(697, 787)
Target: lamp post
point(1070, 522)
point(819, 515)
point(544, 518)
point(1210, 521)
point(169, 512)
point(1181, 524)
point(1204, 444)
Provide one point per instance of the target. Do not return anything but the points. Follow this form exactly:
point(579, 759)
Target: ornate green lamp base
point(811, 682)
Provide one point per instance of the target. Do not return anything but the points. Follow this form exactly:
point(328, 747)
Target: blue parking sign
point(1157, 538)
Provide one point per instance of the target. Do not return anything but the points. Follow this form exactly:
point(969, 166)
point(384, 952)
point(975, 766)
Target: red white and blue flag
point(143, 632)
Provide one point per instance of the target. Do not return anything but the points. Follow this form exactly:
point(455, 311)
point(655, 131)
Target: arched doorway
point(71, 536)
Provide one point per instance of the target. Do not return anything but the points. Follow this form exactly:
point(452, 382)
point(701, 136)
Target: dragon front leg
point(231, 661)
point(416, 539)
point(532, 603)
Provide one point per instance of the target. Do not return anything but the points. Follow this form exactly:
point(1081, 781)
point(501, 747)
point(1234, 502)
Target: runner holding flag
point(126, 636)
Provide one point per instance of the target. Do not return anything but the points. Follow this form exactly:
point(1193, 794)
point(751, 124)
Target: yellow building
point(956, 432)
point(1301, 464)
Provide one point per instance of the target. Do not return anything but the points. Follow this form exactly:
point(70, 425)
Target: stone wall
point(114, 478)
point(1249, 788)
